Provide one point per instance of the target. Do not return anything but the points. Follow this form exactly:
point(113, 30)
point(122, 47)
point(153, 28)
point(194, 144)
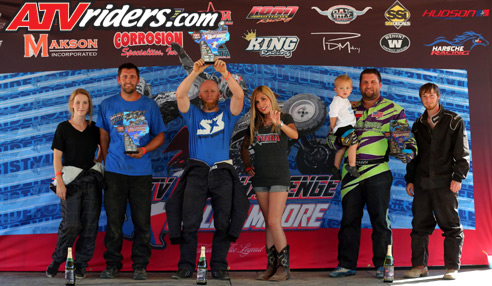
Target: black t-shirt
point(270, 161)
point(78, 148)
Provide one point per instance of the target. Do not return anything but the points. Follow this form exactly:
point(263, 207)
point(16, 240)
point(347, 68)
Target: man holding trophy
point(131, 126)
point(208, 173)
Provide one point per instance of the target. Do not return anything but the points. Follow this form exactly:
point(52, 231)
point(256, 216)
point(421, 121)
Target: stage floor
point(467, 276)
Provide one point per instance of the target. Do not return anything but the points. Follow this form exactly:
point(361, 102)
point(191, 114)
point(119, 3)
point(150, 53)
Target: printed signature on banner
point(335, 41)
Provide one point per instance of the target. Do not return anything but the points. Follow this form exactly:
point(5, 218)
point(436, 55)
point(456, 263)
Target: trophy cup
point(399, 133)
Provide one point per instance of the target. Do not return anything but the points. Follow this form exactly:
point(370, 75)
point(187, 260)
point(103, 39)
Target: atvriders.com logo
point(41, 17)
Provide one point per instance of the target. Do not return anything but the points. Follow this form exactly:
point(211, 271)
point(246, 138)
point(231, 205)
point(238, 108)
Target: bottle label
point(201, 274)
point(389, 273)
point(70, 277)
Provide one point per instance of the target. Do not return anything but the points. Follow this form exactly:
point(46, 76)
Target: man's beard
point(368, 96)
point(129, 90)
point(210, 106)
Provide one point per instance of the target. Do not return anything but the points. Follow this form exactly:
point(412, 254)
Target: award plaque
point(207, 56)
point(399, 133)
point(134, 127)
point(130, 147)
point(212, 42)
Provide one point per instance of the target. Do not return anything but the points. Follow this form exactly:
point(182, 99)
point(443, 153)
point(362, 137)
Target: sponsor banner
point(461, 45)
point(341, 14)
point(41, 17)
point(457, 14)
point(58, 48)
point(226, 15)
point(397, 15)
point(269, 14)
point(271, 46)
point(339, 41)
point(127, 41)
point(395, 43)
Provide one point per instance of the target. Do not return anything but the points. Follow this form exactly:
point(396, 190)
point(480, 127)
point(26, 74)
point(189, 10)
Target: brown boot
point(272, 264)
point(283, 270)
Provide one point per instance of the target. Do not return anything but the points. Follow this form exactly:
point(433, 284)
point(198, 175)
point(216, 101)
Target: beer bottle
point(201, 272)
point(389, 267)
point(69, 269)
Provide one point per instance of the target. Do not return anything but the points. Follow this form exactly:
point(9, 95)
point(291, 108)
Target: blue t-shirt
point(210, 133)
point(139, 120)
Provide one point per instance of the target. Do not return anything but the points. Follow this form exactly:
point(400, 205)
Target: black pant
point(80, 217)
point(200, 184)
point(429, 206)
point(137, 190)
point(373, 192)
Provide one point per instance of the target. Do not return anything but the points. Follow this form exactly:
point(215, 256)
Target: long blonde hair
point(257, 118)
point(72, 99)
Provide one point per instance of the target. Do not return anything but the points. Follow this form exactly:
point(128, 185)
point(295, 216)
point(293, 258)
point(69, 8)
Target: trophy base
point(131, 152)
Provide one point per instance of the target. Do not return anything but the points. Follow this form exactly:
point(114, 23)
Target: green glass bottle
point(389, 267)
point(201, 272)
point(69, 269)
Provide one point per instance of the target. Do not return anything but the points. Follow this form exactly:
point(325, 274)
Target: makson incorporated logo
point(395, 43)
point(59, 48)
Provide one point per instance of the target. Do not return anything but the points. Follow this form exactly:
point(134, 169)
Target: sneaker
point(52, 269)
point(450, 274)
point(109, 273)
point(380, 272)
point(221, 275)
point(139, 274)
point(341, 272)
point(416, 272)
point(335, 173)
point(79, 272)
point(352, 171)
point(182, 274)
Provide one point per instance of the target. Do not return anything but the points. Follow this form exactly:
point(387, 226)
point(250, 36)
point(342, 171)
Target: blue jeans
point(202, 183)
point(136, 190)
point(373, 192)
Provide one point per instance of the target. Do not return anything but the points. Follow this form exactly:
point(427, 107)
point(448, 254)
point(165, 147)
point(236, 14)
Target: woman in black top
point(75, 144)
point(270, 130)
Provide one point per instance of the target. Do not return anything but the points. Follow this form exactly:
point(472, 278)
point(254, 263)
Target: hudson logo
point(455, 14)
point(126, 40)
point(272, 46)
point(338, 41)
point(41, 17)
point(59, 48)
point(342, 14)
point(459, 46)
point(266, 14)
point(397, 15)
point(395, 43)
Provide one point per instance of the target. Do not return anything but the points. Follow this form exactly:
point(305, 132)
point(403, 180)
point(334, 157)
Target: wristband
point(248, 169)
point(145, 151)
point(228, 76)
point(281, 124)
point(57, 174)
